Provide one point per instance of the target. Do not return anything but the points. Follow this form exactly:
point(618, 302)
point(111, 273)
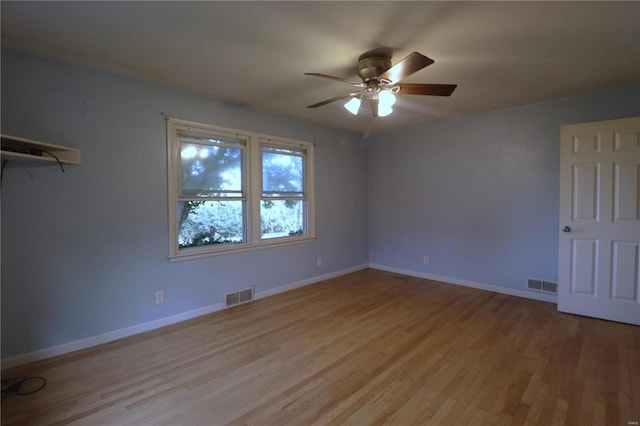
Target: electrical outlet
point(159, 297)
point(425, 260)
point(319, 262)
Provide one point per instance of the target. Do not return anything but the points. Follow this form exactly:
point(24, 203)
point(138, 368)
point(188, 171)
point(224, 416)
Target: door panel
point(583, 268)
point(586, 181)
point(586, 143)
point(626, 187)
point(624, 279)
point(627, 141)
point(599, 261)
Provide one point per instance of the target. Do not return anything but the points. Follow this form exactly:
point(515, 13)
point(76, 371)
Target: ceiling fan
point(381, 82)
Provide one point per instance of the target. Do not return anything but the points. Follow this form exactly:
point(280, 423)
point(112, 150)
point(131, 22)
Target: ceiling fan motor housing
point(370, 68)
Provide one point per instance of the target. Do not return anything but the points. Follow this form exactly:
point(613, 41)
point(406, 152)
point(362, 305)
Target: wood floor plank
point(371, 347)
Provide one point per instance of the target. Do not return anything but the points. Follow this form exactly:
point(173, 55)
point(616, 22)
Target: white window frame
point(252, 188)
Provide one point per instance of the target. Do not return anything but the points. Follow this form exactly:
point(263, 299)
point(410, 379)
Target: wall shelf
point(16, 149)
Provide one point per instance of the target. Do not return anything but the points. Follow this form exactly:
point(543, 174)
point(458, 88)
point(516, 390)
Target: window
point(283, 202)
point(233, 190)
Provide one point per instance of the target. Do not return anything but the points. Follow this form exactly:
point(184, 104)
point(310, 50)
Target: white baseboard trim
point(312, 280)
point(489, 287)
point(106, 337)
point(110, 336)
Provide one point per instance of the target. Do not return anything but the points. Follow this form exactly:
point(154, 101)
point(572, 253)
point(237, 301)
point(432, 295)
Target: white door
point(599, 253)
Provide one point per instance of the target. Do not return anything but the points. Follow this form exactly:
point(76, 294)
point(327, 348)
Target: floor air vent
point(547, 286)
point(237, 297)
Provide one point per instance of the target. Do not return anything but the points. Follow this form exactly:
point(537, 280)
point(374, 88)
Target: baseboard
point(106, 337)
point(318, 278)
point(110, 336)
point(489, 287)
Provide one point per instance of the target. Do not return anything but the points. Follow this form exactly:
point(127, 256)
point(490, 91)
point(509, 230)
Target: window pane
point(282, 218)
point(210, 170)
point(202, 223)
point(282, 173)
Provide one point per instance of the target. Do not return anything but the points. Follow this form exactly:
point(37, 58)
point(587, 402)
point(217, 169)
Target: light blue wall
point(478, 195)
point(84, 252)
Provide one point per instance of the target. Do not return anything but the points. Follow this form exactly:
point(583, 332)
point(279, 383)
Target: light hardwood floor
point(371, 347)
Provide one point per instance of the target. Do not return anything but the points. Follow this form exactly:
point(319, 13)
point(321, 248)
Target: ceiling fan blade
point(412, 63)
point(373, 104)
point(330, 77)
point(328, 101)
point(427, 89)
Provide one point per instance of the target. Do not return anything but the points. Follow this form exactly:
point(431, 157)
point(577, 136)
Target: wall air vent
point(239, 296)
point(534, 284)
point(549, 286)
point(546, 286)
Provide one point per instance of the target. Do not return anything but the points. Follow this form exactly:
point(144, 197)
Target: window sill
point(197, 253)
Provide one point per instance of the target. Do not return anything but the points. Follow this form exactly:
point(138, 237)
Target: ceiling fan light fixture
point(353, 105)
point(386, 98)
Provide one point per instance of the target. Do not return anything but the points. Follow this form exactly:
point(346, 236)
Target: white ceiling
point(501, 54)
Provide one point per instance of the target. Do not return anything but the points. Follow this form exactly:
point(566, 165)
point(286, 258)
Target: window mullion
point(254, 190)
